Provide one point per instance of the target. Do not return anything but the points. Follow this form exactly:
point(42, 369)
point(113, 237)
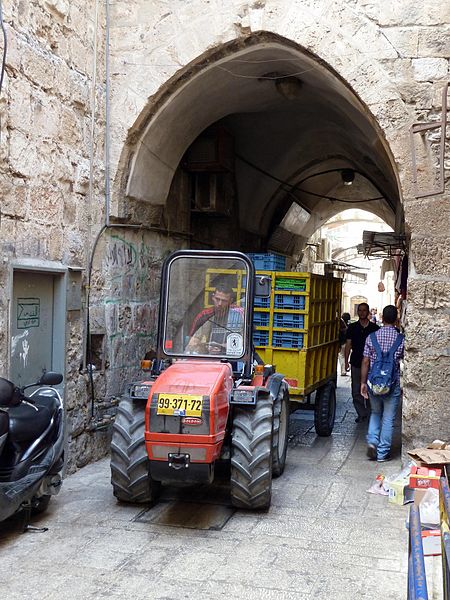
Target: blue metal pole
point(445, 512)
point(417, 561)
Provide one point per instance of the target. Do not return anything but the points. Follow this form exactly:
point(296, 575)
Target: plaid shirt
point(386, 336)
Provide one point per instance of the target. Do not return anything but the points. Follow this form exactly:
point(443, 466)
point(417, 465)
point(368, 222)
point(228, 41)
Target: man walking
point(384, 407)
point(356, 338)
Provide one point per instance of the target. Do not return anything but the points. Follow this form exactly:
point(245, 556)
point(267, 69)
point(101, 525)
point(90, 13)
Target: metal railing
point(417, 579)
point(444, 502)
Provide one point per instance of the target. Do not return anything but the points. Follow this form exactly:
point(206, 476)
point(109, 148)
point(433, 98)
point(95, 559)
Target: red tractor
point(207, 399)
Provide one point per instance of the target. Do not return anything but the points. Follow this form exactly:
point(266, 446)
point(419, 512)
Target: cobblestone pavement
point(324, 536)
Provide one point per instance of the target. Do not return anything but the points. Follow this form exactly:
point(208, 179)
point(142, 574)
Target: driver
point(212, 326)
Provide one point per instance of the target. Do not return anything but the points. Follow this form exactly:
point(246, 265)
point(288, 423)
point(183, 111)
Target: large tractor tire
point(325, 409)
point(251, 455)
point(130, 477)
point(281, 412)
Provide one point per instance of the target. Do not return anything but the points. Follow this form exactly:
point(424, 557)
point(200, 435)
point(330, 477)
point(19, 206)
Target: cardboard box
point(430, 456)
point(400, 492)
point(431, 542)
point(424, 477)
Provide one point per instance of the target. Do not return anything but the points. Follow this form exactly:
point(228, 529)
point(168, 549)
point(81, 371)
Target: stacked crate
point(297, 328)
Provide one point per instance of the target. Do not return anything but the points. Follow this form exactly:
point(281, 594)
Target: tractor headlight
point(140, 390)
point(243, 396)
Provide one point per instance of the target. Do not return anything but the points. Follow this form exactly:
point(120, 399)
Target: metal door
point(32, 326)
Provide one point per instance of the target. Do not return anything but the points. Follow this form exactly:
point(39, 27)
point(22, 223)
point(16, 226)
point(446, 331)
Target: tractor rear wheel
point(325, 409)
point(130, 476)
point(280, 431)
point(251, 455)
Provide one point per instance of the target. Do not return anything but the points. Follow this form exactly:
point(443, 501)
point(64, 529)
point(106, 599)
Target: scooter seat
point(28, 421)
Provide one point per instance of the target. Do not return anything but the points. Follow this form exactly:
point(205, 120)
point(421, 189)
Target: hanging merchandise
point(381, 287)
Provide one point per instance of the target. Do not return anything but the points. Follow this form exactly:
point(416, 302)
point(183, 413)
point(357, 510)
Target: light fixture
point(348, 176)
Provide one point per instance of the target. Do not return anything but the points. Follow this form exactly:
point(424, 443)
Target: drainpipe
point(107, 119)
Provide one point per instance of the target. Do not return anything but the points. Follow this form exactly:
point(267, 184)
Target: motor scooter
point(31, 446)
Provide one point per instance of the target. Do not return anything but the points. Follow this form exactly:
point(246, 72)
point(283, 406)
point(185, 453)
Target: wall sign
point(28, 312)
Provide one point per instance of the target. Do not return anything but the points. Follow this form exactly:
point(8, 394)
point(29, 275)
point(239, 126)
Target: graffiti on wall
point(128, 298)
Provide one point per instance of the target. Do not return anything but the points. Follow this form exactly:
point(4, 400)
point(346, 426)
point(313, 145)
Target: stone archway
point(299, 120)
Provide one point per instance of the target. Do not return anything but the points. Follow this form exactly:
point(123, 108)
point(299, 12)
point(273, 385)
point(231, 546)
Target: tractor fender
point(275, 383)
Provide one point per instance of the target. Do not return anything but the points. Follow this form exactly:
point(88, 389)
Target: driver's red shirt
point(201, 319)
point(206, 314)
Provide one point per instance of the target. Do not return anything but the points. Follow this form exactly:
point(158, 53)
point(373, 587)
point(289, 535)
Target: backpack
point(382, 376)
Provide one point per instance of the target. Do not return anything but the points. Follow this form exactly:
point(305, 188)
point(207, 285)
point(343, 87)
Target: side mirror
point(50, 378)
point(9, 394)
point(263, 286)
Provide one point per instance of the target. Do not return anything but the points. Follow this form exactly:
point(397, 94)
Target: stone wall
point(48, 210)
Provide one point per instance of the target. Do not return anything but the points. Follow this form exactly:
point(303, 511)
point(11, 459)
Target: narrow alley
point(324, 536)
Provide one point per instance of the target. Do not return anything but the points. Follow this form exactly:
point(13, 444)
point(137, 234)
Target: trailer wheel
point(130, 476)
point(281, 412)
point(251, 455)
point(325, 409)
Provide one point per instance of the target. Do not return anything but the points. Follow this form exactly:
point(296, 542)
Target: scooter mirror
point(50, 378)
point(8, 393)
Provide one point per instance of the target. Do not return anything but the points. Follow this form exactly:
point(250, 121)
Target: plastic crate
point(290, 283)
point(261, 319)
point(287, 339)
point(289, 320)
point(261, 338)
point(268, 262)
point(261, 302)
point(289, 302)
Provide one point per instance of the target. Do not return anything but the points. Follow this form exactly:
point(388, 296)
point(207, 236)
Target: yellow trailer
point(297, 330)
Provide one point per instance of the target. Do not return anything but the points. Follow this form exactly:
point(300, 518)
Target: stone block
point(428, 294)
point(15, 198)
point(423, 412)
point(431, 256)
point(19, 111)
point(430, 69)
point(404, 40)
point(38, 67)
point(425, 372)
point(434, 42)
point(58, 8)
point(46, 204)
point(404, 12)
point(24, 158)
point(428, 215)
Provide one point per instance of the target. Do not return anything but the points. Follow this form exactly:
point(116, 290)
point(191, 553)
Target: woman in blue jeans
point(384, 408)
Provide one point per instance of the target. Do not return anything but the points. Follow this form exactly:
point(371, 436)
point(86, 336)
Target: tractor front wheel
point(281, 412)
point(130, 476)
point(325, 409)
point(251, 455)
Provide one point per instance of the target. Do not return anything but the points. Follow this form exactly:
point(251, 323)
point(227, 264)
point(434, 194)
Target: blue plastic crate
point(289, 320)
point(290, 302)
point(261, 319)
point(268, 262)
point(287, 339)
point(261, 302)
point(261, 338)
point(289, 282)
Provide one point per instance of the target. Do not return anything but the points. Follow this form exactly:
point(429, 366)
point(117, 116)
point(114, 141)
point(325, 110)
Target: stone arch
point(204, 92)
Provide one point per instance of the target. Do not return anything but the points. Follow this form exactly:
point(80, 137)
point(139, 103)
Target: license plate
point(180, 405)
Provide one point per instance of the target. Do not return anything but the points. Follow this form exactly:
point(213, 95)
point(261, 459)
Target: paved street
point(324, 536)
